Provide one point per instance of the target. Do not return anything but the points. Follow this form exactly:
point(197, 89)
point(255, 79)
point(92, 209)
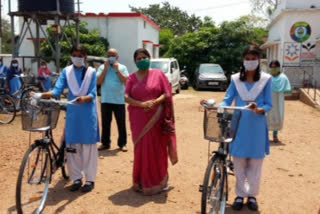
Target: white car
point(170, 68)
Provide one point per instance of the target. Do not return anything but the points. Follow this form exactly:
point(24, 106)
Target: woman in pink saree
point(148, 93)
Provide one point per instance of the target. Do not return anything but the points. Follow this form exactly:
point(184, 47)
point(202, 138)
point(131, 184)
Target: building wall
point(280, 31)
point(148, 33)
point(99, 23)
point(123, 35)
point(301, 4)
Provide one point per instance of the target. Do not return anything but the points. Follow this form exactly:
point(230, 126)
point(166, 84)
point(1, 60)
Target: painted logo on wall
point(292, 51)
point(308, 52)
point(300, 31)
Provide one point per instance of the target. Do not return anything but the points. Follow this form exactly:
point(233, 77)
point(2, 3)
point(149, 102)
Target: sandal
point(87, 187)
point(252, 204)
point(238, 203)
point(276, 140)
point(76, 185)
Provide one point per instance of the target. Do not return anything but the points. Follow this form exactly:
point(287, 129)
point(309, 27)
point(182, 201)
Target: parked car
point(210, 76)
point(170, 67)
point(184, 80)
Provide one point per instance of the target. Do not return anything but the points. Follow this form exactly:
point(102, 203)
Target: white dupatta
point(253, 93)
point(77, 90)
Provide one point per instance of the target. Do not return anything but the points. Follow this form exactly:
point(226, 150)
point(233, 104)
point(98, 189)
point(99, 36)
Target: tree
point(167, 16)
point(6, 36)
point(266, 7)
point(91, 39)
point(222, 45)
point(165, 38)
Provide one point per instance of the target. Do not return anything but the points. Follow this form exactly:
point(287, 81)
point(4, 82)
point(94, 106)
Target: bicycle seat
point(42, 129)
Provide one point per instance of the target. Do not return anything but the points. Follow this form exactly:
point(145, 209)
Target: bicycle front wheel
point(33, 180)
point(213, 198)
point(7, 109)
point(64, 168)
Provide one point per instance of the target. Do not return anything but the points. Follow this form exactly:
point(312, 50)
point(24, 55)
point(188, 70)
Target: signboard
point(300, 31)
point(292, 53)
point(308, 52)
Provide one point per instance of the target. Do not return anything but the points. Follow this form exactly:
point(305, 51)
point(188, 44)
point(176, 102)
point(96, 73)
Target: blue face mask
point(0, 63)
point(111, 59)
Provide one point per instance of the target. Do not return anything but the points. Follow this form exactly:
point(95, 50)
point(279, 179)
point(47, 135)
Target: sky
point(218, 10)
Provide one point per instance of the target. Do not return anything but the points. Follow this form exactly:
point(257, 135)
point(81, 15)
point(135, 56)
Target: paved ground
point(290, 182)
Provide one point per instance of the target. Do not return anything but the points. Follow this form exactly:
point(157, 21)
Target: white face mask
point(250, 65)
point(77, 61)
point(43, 66)
point(14, 65)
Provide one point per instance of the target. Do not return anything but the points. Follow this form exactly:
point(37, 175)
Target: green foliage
point(6, 36)
point(167, 16)
point(165, 38)
point(95, 45)
point(222, 45)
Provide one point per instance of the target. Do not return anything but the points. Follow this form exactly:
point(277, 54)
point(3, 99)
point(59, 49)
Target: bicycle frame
point(56, 153)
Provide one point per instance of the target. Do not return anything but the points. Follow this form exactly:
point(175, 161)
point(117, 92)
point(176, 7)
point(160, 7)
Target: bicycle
point(7, 104)
point(43, 158)
point(220, 125)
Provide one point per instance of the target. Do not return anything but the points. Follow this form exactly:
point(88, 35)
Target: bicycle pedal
point(200, 188)
point(71, 150)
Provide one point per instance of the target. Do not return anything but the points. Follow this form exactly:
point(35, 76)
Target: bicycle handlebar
point(60, 102)
point(207, 106)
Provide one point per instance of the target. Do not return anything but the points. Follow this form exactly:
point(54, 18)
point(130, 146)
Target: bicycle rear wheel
point(33, 180)
point(7, 109)
point(213, 199)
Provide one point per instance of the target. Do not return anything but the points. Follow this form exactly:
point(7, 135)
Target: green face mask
point(143, 64)
point(274, 71)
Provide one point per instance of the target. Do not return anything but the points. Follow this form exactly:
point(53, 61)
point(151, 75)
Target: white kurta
point(276, 114)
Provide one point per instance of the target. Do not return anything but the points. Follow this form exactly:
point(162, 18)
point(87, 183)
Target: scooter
point(184, 81)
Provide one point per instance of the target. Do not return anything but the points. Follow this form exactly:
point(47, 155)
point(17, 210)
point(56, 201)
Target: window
point(161, 65)
point(211, 68)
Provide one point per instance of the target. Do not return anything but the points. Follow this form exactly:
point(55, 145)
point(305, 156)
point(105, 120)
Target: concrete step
point(310, 97)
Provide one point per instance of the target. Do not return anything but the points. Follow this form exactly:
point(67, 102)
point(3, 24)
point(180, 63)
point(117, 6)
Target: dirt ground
point(290, 182)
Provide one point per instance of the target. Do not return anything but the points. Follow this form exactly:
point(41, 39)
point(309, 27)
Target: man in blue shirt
point(112, 77)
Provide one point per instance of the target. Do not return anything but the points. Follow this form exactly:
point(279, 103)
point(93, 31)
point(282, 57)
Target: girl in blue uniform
point(12, 76)
point(251, 143)
point(81, 128)
point(3, 73)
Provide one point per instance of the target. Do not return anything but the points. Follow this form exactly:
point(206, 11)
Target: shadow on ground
point(128, 197)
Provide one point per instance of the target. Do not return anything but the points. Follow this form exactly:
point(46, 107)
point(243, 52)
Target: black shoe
point(76, 185)
point(123, 148)
point(103, 147)
point(252, 204)
point(238, 203)
point(88, 186)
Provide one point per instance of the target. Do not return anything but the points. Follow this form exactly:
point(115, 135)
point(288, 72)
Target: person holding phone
point(112, 77)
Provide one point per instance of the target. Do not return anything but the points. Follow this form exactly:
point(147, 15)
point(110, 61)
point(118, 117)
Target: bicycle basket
point(40, 117)
point(28, 79)
point(221, 126)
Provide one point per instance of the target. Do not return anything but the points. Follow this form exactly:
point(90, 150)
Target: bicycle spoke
point(34, 181)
